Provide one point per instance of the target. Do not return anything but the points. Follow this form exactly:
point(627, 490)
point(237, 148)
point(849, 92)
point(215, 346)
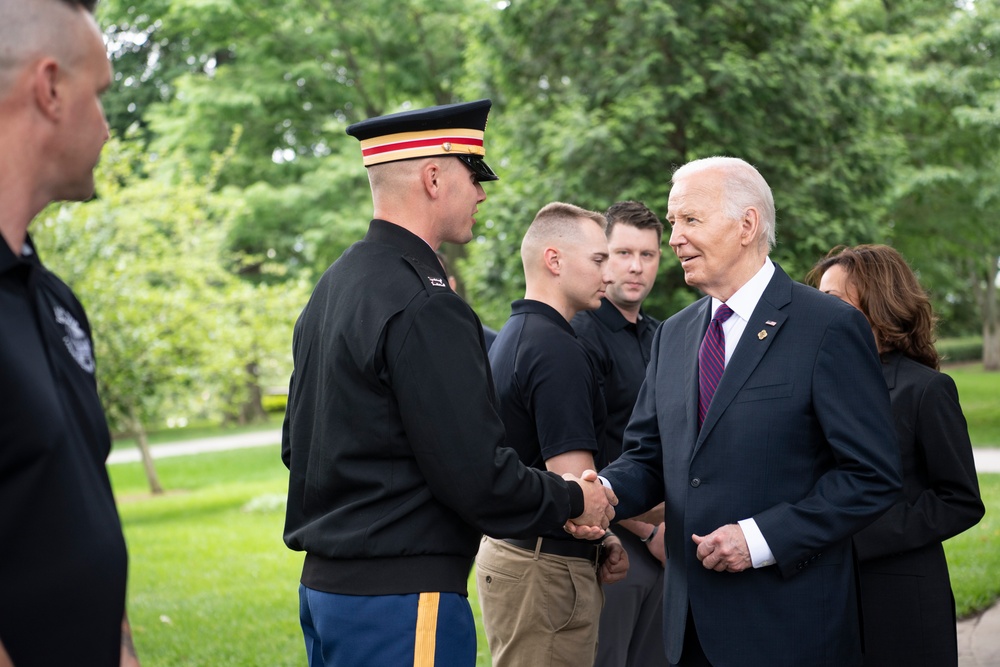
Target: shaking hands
point(598, 501)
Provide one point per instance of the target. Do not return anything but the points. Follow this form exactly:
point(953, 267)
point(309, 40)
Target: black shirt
point(550, 400)
point(392, 436)
point(619, 351)
point(62, 554)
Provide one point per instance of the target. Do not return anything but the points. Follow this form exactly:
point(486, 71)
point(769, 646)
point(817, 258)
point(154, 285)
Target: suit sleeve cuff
point(760, 553)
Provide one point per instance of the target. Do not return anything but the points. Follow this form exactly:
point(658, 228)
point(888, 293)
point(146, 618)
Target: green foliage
point(275, 403)
point(941, 67)
point(287, 77)
point(606, 98)
point(174, 333)
point(871, 121)
point(954, 350)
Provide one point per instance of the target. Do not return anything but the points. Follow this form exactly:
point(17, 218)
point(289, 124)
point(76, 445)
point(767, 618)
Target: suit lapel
point(767, 318)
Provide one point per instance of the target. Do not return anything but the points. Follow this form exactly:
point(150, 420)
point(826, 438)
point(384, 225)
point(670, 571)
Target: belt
point(568, 548)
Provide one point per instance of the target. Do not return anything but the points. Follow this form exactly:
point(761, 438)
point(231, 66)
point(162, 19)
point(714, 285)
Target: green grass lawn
point(979, 393)
point(212, 584)
point(210, 581)
point(974, 556)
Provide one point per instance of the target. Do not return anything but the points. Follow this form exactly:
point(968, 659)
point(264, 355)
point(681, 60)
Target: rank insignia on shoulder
point(437, 282)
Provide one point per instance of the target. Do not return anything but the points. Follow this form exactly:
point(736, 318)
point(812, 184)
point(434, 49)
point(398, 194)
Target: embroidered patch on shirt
point(76, 340)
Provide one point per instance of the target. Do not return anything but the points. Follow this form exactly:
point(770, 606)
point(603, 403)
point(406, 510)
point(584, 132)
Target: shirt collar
point(8, 260)
point(744, 301)
point(609, 314)
point(383, 231)
point(540, 308)
point(613, 318)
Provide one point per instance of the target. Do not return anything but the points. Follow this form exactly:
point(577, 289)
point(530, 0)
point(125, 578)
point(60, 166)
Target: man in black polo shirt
point(618, 337)
point(62, 554)
point(540, 596)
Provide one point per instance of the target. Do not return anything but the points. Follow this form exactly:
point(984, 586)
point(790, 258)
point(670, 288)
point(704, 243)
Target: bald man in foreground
point(541, 596)
point(63, 564)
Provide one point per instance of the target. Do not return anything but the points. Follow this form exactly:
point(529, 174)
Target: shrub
point(953, 350)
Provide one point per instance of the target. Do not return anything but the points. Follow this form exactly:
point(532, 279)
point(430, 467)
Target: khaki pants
point(539, 610)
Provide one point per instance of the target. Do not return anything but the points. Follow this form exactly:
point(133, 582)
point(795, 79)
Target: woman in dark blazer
point(907, 603)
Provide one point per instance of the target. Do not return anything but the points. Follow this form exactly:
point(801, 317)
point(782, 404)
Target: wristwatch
point(646, 540)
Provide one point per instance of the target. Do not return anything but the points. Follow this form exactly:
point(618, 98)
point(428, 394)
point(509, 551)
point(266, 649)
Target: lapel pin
point(770, 323)
point(761, 335)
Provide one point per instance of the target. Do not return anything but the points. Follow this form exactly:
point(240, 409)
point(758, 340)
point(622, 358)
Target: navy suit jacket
point(799, 436)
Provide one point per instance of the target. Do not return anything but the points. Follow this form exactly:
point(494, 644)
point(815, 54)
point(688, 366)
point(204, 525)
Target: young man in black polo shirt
point(62, 554)
point(618, 337)
point(541, 597)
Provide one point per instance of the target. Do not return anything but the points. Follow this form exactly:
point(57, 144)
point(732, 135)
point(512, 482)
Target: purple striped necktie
point(711, 360)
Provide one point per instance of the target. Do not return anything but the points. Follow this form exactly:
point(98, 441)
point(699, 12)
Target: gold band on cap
point(406, 145)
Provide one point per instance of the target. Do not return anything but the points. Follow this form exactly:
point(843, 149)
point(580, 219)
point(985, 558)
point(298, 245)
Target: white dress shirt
point(743, 303)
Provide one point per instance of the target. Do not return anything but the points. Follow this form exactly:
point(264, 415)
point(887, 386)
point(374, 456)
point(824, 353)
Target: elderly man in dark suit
point(764, 423)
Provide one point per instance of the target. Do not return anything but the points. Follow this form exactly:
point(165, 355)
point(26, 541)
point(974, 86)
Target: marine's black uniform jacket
point(392, 435)
point(63, 564)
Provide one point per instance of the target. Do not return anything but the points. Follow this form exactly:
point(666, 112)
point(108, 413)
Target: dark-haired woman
point(907, 602)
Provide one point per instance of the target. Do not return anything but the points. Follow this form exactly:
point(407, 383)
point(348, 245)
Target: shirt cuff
point(606, 483)
point(760, 553)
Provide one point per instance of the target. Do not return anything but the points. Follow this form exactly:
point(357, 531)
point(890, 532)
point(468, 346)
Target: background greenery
point(230, 183)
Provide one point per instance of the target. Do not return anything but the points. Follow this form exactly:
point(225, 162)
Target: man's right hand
point(598, 502)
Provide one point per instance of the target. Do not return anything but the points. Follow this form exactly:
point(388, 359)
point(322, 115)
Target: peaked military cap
point(450, 129)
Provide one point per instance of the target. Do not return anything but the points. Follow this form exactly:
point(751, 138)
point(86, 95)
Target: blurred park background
point(229, 186)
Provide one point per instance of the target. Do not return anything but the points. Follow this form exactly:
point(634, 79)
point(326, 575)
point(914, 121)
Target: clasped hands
point(598, 503)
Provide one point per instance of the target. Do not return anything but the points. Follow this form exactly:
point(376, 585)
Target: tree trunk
point(139, 433)
point(991, 321)
point(252, 410)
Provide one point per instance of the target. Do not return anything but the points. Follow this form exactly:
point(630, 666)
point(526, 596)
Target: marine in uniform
point(391, 435)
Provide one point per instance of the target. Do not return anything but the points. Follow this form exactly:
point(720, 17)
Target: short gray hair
point(743, 187)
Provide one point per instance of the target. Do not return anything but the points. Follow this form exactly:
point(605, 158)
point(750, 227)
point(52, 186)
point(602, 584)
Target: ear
point(431, 178)
point(553, 260)
point(46, 88)
point(749, 226)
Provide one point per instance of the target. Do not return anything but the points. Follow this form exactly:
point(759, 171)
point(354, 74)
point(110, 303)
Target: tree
point(145, 259)
point(287, 78)
point(599, 101)
point(944, 63)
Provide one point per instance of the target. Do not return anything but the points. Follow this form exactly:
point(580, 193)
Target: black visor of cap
point(478, 166)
